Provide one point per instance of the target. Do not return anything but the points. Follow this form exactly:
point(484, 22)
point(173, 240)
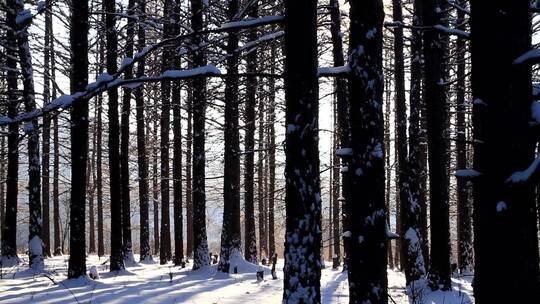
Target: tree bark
point(250, 251)
point(437, 134)
point(200, 243)
point(116, 261)
point(302, 270)
point(142, 160)
point(79, 140)
point(464, 204)
point(505, 231)
point(230, 235)
point(127, 249)
point(367, 239)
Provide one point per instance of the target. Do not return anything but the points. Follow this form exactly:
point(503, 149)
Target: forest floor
point(154, 283)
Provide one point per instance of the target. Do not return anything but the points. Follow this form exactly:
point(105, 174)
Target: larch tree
point(79, 139)
point(438, 152)
point(250, 249)
point(505, 231)
point(231, 240)
point(116, 260)
point(302, 269)
point(366, 237)
point(200, 242)
point(142, 159)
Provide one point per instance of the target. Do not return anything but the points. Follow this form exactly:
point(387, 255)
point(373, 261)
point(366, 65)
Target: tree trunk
point(177, 153)
point(79, 140)
point(142, 160)
point(411, 246)
point(302, 270)
point(250, 251)
point(9, 228)
point(271, 155)
point(165, 246)
point(46, 136)
point(230, 235)
point(35, 244)
point(155, 182)
point(263, 240)
point(189, 181)
point(127, 249)
point(200, 243)
point(117, 261)
point(367, 239)
point(437, 133)
point(505, 231)
point(464, 206)
point(417, 147)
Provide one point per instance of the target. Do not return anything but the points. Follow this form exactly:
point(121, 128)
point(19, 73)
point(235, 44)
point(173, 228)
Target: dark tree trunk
point(231, 235)
point(177, 153)
point(91, 188)
point(505, 232)
point(263, 240)
point(35, 244)
point(341, 130)
point(79, 140)
point(250, 251)
point(155, 181)
point(9, 229)
point(117, 260)
point(200, 243)
point(464, 206)
point(417, 147)
point(99, 183)
point(367, 239)
point(142, 160)
point(189, 181)
point(167, 57)
point(436, 115)
point(127, 249)
point(46, 136)
point(388, 171)
point(302, 270)
point(411, 246)
point(271, 156)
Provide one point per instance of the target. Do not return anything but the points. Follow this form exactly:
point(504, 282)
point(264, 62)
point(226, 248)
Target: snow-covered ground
point(154, 283)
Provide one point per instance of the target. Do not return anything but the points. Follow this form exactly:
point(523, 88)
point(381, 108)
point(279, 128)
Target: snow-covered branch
point(248, 23)
point(334, 71)
point(525, 175)
point(452, 31)
point(531, 57)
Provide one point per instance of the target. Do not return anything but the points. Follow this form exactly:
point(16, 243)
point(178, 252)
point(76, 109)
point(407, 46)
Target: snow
point(523, 176)
point(535, 112)
point(452, 31)
point(332, 71)
point(154, 283)
point(23, 17)
point(528, 56)
point(204, 70)
point(251, 22)
point(467, 173)
point(344, 152)
point(501, 206)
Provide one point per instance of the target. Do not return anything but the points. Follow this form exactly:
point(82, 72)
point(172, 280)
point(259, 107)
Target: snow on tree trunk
point(367, 237)
point(35, 245)
point(411, 245)
point(200, 242)
point(302, 270)
point(505, 231)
